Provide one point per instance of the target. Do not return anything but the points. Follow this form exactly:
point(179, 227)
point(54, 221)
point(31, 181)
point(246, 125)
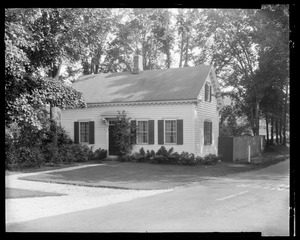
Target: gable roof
point(151, 85)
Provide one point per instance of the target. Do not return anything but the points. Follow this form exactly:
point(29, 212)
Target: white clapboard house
point(176, 107)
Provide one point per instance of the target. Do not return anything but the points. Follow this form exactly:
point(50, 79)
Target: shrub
point(142, 152)
point(125, 158)
point(123, 133)
point(56, 133)
point(199, 160)
point(82, 153)
point(164, 156)
point(186, 158)
point(66, 153)
point(159, 159)
point(162, 151)
point(100, 154)
point(51, 153)
point(30, 157)
point(210, 159)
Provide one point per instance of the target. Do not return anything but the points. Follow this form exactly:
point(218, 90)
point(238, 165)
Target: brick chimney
point(137, 64)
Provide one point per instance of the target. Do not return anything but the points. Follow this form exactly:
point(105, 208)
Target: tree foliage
point(123, 133)
point(248, 48)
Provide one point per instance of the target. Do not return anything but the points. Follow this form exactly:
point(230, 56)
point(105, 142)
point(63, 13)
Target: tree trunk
point(92, 66)
point(276, 130)
point(272, 131)
point(96, 69)
point(256, 117)
point(57, 74)
point(186, 52)
point(168, 57)
point(252, 119)
point(284, 115)
point(280, 131)
point(181, 50)
point(267, 129)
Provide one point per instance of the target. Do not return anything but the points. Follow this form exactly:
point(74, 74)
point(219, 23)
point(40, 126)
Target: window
point(84, 132)
point(207, 133)
point(142, 132)
point(170, 131)
point(207, 93)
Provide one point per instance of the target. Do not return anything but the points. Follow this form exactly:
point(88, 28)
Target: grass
point(15, 170)
point(22, 193)
point(129, 175)
point(273, 154)
point(139, 175)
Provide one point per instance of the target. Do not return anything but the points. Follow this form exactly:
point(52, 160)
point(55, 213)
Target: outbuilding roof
point(150, 85)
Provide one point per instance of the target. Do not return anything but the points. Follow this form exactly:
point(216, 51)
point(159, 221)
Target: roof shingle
point(151, 85)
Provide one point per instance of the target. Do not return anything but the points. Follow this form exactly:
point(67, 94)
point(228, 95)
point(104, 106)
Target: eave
point(106, 104)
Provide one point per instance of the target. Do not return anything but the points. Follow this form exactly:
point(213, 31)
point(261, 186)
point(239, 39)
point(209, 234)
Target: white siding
point(151, 112)
point(202, 111)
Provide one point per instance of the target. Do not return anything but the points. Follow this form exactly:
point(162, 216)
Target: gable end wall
point(206, 110)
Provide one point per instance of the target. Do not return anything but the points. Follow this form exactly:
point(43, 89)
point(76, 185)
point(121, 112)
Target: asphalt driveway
point(139, 176)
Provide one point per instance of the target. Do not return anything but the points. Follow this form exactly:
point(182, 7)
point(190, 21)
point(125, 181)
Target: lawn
point(22, 193)
point(129, 175)
point(139, 175)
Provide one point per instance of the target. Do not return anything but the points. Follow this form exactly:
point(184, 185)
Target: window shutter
point(133, 131)
point(210, 93)
point(160, 131)
point(150, 131)
point(206, 92)
point(210, 127)
point(204, 131)
point(91, 132)
point(76, 132)
point(179, 132)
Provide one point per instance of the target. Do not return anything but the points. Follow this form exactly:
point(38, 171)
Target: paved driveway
point(42, 199)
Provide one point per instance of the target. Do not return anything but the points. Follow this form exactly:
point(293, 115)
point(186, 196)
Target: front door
point(112, 148)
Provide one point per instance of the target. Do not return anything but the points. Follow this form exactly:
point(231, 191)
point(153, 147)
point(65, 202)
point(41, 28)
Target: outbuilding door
point(112, 148)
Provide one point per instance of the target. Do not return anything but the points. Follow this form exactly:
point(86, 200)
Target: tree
point(147, 32)
point(233, 122)
point(35, 43)
point(124, 133)
point(31, 108)
point(274, 63)
point(163, 32)
point(187, 19)
point(238, 44)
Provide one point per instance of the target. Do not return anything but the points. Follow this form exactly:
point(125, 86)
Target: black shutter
point(205, 133)
point(210, 93)
point(91, 132)
point(160, 131)
point(150, 131)
point(179, 132)
point(210, 128)
point(133, 131)
point(76, 132)
point(206, 92)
